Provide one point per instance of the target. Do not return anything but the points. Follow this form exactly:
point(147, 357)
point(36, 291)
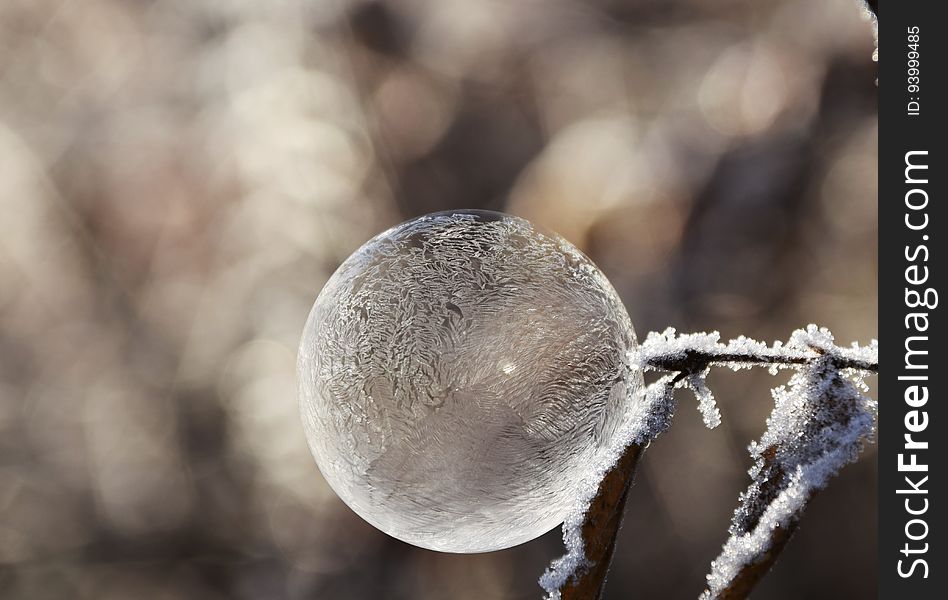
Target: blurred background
point(178, 178)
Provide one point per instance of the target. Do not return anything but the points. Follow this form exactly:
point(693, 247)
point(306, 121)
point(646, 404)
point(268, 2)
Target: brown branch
point(601, 527)
point(770, 482)
point(695, 361)
point(603, 518)
point(839, 403)
point(750, 576)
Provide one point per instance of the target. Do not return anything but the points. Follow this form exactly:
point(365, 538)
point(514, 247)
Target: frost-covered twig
point(819, 423)
point(695, 352)
point(589, 532)
point(870, 12)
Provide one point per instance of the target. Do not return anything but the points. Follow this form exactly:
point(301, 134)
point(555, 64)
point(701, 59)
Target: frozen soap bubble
point(457, 374)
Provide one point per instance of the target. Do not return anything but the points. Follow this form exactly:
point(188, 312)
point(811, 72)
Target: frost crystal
point(457, 375)
point(707, 406)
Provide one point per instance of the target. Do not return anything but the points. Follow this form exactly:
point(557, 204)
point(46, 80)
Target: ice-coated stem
point(819, 424)
point(600, 526)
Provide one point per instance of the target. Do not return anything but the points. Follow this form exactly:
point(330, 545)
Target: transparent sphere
point(457, 373)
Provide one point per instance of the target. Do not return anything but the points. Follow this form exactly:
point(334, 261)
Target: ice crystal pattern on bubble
point(457, 372)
